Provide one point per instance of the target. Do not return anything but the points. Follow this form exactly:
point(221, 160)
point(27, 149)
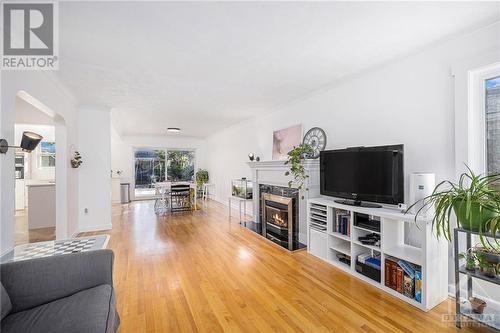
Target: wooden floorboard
point(201, 272)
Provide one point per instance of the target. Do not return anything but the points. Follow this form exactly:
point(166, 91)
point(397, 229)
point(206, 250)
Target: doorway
point(154, 165)
point(40, 185)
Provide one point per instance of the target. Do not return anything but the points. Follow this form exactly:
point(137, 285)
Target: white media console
point(429, 253)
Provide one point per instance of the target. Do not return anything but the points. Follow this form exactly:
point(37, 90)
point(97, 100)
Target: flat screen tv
point(372, 174)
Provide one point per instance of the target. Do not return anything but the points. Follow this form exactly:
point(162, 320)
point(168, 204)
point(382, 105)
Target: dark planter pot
point(478, 216)
point(477, 304)
point(492, 258)
point(489, 272)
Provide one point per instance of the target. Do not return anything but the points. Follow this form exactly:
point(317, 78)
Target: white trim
point(92, 228)
point(476, 115)
point(235, 206)
point(489, 301)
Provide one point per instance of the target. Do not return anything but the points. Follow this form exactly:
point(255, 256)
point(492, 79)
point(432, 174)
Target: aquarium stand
point(242, 206)
point(489, 317)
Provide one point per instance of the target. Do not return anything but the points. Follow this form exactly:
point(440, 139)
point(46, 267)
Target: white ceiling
point(204, 66)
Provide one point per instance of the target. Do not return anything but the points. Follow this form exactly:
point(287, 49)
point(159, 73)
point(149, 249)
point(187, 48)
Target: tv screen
point(373, 174)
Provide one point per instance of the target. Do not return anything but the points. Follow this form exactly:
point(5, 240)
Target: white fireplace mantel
point(273, 173)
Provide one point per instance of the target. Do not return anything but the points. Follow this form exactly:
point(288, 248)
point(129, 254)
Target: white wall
point(409, 101)
point(122, 151)
point(46, 89)
point(95, 173)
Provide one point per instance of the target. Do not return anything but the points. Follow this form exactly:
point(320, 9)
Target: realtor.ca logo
point(30, 36)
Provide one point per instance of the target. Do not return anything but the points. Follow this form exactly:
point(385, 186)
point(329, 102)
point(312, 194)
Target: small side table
point(206, 190)
point(240, 202)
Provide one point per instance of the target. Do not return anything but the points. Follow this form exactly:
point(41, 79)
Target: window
point(180, 165)
point(149, 167)
point(492, 108)
point(159, 165)
point(47, 154)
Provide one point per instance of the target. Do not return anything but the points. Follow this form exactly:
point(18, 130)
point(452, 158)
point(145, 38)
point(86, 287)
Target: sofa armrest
point(30, 283)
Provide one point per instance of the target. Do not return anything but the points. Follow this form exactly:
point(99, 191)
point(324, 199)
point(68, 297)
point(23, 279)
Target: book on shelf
point(390, 273)
point(408, 286)
point(418, 286)
point(373, 262)
point(342, 223)
point(370, 260)
point(399, 280)
point(403, 277)
point(407, 267)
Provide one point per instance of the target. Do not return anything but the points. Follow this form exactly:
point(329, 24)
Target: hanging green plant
point(297, 170)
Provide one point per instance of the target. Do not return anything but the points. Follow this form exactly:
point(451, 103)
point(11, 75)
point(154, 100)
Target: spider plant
point(475, 200)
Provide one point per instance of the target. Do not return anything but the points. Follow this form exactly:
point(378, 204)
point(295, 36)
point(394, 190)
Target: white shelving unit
point(431, 255)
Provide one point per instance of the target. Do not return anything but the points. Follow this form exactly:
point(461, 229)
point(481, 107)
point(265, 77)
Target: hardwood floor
point(25, 235)
point(199, 272)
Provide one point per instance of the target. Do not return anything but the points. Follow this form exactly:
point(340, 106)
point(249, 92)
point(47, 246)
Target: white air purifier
point(421, 186)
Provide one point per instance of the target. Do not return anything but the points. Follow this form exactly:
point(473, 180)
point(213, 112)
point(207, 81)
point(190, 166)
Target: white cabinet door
point(317, 243)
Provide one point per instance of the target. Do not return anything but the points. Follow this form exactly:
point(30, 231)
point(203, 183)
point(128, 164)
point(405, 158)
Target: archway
point(30, 111)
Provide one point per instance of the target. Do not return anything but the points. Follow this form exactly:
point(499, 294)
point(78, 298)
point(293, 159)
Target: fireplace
point(270, 177)
point(278, 219)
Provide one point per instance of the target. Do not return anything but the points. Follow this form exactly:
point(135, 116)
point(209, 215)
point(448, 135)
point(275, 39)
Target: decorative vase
point(478, 216)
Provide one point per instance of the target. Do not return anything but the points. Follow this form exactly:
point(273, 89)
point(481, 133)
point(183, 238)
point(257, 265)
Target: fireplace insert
point(277, 215)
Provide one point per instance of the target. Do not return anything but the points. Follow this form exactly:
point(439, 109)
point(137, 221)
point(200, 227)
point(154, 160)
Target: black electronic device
point(366, 221)
point(363, 176)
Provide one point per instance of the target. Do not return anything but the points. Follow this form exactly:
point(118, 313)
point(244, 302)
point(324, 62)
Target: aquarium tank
point(242, 188)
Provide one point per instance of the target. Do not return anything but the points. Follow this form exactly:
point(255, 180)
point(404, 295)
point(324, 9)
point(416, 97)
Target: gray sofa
point(59, 294)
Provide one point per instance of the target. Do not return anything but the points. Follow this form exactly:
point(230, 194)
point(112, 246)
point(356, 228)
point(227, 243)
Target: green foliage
point(201, 177)
point(475, 200)
point(180, 165)
point(297, 170)
point(475, 256)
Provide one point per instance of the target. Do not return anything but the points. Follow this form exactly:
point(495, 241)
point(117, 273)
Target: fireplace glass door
point(276, 216)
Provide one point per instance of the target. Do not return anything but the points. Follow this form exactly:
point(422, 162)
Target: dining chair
point(162, 201)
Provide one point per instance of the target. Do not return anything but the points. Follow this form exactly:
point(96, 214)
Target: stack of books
point(404, 277)
point(369, 265)
point(342, 223)
point(370, 260)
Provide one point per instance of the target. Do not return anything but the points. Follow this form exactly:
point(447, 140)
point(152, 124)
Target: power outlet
point(86, 210)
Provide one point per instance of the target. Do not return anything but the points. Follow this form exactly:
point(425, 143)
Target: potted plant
point(477, 304)
point(475, 200)
point(201, 177)
point(489, 269)
point(470, 259)
point(297, 170)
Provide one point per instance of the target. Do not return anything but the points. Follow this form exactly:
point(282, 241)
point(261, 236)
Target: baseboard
point(235, 206)
point(494, 304)
point(92, 229)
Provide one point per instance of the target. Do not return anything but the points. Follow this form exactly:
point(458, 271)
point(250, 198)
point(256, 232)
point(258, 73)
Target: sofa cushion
point(86, 311)
point(5, 304)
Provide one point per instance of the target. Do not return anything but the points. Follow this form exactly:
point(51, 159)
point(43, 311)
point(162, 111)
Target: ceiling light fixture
point(173, 129)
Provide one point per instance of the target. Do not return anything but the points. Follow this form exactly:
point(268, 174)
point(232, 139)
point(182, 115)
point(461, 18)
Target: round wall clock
point(316, 138)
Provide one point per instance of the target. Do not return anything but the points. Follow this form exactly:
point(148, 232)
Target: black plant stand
point(489, 317)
